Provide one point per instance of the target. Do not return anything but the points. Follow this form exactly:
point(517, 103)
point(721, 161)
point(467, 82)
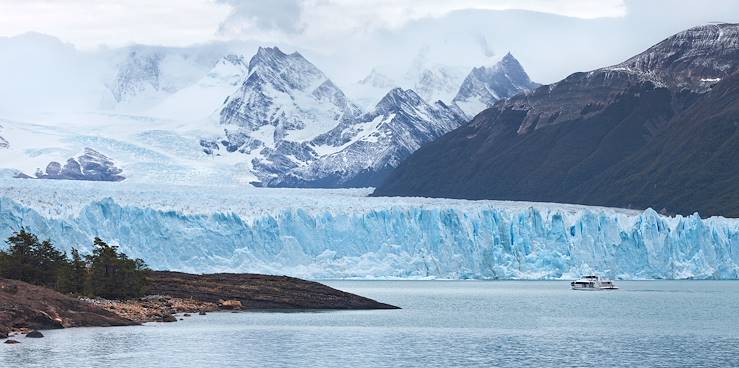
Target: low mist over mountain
point(208, 115)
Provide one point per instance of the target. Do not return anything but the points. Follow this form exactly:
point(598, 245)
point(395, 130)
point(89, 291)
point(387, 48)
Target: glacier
point(341, 233)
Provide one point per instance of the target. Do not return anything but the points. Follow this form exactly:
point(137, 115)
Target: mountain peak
point(285, 71)
point(510, 64)
point(266, 55)
point(287, 94)
point(508, 57)
point(486, 85)
point(397, 97)
point(273, 56)
point(274, 50)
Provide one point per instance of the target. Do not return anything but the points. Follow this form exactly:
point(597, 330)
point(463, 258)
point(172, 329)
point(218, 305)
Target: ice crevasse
point(341, 234)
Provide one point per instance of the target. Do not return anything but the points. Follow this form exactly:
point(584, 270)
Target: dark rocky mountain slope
point(659, 130)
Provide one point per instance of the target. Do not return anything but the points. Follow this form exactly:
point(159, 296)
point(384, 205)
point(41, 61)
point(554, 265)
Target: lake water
point(442, 324)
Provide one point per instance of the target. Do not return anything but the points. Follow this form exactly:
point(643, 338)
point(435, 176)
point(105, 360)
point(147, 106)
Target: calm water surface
point(443, 324)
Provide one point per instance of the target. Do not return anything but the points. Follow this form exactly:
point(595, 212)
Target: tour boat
point(593, 282)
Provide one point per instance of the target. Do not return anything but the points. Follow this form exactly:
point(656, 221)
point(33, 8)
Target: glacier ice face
point(342, 234)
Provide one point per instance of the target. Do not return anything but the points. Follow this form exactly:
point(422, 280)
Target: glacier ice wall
point(335, 234)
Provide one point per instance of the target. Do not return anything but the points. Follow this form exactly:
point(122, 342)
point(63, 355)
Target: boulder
point(186, 315)
point(202, 313)
point(168, 318)
point(11, 341)
point(35, 334)
point(231, 304)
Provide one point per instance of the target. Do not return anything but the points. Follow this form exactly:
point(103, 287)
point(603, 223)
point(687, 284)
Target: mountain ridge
point(567, 142)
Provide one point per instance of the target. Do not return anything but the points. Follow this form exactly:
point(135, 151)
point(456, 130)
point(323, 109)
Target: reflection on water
point(443, 324)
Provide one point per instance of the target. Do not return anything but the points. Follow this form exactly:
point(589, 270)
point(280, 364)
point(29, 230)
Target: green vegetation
point(106, 273)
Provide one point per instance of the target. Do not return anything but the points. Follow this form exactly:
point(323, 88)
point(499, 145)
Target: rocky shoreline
point(25, 308)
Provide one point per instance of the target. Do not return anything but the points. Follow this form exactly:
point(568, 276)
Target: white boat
point(593, 282)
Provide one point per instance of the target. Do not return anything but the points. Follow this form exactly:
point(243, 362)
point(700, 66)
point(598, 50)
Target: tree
point(112, 274)
point(48, 262)
point(17, 262)
point(73, 276)
point(31, 261)
point(106, 272)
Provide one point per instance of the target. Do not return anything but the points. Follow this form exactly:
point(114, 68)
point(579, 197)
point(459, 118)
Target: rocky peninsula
point(25, 307)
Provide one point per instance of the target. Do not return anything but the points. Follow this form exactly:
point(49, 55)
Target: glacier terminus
point(341, 233)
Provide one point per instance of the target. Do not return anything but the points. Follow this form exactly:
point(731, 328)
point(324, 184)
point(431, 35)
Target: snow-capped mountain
point(287, 94)
point(205, 97)
point(284, 102)
point(370, 89)
point(486, 85)
point(436, 83)
point(377, 79)
point(138, 74)
point(431, 82)
point(274, 120)
point(145, 75)
point(297, 128)
point(359, 153)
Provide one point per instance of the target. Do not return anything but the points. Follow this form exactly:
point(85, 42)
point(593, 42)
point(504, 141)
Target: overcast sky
point(552, 38)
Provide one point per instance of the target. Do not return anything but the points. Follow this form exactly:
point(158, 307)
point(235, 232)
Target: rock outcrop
point(30, 307)
point(91, 165)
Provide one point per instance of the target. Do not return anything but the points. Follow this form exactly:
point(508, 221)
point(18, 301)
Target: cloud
point(484, 46)
point(90, 23)
point(258, 15)
point(321, 18)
